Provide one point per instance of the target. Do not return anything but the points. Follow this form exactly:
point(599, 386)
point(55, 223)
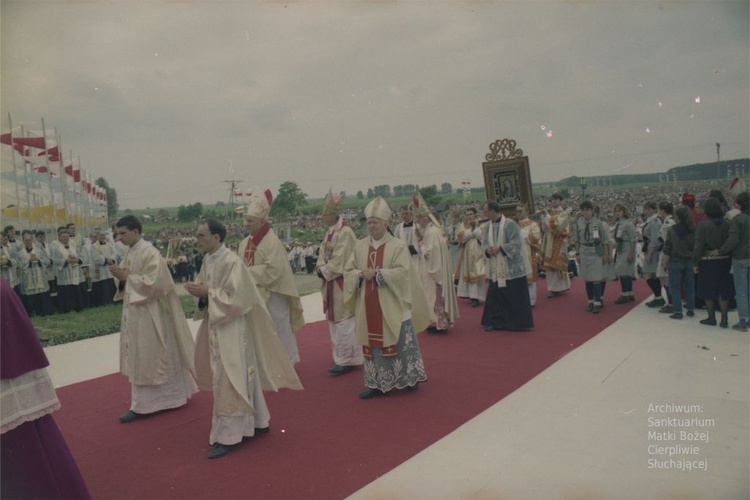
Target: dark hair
point(685, 216)
point(492, 205)
point(216, 227)
point(472, 210)
point(131, 222)
point(67, 226)
point(27, 231)
point(743, 200)
point(667, 207)
point(586, 204)
point(7, 228)
point(40, 233)
point(712, 207)
point(650, 204)
point(556, 196)
point(715, 193)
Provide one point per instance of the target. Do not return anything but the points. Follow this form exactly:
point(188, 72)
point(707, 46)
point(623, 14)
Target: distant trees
point(112, 205)
point(289, 198)
point(190, 212)
point(446, 188)
point(360, 195)
point(429, 193)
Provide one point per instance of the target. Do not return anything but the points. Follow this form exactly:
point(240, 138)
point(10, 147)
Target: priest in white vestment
point(266, 257)
point(470, 272)
point(389, 311)
point(156, 346)
point(434, 267)
point(238, 353)
point(335, 249)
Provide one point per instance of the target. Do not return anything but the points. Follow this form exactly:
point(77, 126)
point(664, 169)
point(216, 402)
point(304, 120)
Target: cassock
point(35, 461)
point(67, 264)
point(335, 250)
point(507, 306)
point(156, 346)
point(34, 284)
point(238, 353)
point(388, 311)
point(102, 283)
point(267, 259)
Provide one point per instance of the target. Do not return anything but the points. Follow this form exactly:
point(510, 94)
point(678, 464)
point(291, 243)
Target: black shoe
point(340, 370)
point(676, 316)
point(262, 430)
point(219, 450)
point(708, 321)
point(474, 302)
point(370, 393)
point(489, 328)
point(724, 324)
point(132, 416)
point(436, 330)
point(656, 303)
point(413, 387)
point(668, 309)
point(690, 313)
point(590, 307)
point(596, 309)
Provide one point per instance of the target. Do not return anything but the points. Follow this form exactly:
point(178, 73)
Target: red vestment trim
point(374, 313)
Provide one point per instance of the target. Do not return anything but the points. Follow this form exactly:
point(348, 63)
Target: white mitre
point(378, 208)
point(259, 205)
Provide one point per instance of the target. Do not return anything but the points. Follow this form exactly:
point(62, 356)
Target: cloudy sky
point(167, 100)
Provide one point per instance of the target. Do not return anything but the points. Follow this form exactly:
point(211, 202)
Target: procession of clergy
point(378, 293)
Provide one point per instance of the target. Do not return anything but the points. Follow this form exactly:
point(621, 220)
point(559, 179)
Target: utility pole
point(232, 183)
point(718, 158)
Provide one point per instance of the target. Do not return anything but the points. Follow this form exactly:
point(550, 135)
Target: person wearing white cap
point(389, 311)
point(266, 257)
point(335, 249)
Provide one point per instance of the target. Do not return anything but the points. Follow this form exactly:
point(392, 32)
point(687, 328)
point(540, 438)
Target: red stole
point(374, 313)
point(249, 256)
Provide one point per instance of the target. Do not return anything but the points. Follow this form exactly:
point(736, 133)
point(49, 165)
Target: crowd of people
point(405, 276)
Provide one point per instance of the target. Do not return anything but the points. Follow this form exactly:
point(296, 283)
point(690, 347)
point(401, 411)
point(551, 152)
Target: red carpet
point(324, 441)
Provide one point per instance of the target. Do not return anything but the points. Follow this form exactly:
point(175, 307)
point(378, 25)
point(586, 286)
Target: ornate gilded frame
point(507, 178)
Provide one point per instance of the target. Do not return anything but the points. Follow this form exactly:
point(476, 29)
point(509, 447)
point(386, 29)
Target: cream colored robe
point(398, 299)
point(333, 256)
point(150, 312)
point(434, 269)
point(232, 298)
point(272, 273)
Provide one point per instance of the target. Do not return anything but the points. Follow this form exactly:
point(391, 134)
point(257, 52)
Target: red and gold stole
point(249, 256)
point(374, 313)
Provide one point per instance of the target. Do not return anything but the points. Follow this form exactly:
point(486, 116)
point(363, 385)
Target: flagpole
point(63, 179)
point(15, 174)
point(49, 181)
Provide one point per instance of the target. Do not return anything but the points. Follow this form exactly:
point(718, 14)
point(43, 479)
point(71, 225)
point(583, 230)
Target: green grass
point(63, 328)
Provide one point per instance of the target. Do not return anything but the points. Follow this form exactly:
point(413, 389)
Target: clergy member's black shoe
point(219, 450)
point(370, 393)
point(474, 302)
point(489, 328)
point(132, 416)
point(262, 430)
point(340, 370)
point(436, 330)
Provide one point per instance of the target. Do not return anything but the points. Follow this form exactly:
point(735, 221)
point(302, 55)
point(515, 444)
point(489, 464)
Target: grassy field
point(63, 328)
